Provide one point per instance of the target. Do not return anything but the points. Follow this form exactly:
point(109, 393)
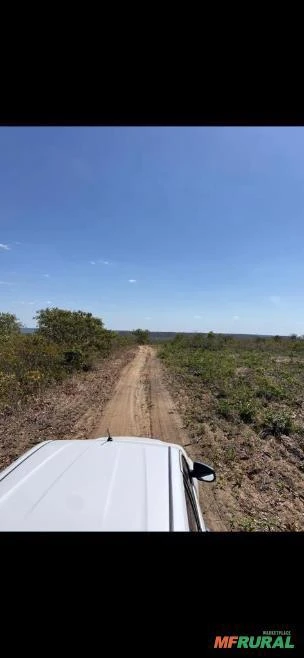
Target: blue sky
point(181, 229)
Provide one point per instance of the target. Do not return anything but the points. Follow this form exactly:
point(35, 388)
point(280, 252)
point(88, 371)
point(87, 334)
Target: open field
point(243, 405)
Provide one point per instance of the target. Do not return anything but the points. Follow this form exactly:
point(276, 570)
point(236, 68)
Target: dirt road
point(141, 405)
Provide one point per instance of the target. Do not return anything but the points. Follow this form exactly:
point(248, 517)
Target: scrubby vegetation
point(243, 408)
point(66, 341)
point(256, 381)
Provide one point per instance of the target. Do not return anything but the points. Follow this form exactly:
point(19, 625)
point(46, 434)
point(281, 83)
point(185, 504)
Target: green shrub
point(276, 423)
point(65, 341)
point(247, 411)
point(9, 389)
point(269, 392)
point(73, 359)
point(225, 409)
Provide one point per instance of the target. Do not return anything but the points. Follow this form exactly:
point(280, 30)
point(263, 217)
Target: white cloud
point(236, 317)
point(104, 262)
point(92, 262)
point(47, 276)
point(132, 280)
point(197, 317)
point(4, 246)
point(147, 317)
point(17, 242)
point(5, 283)
point(275, 299)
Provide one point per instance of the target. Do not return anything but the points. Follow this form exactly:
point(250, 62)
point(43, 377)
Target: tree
point(9, 324)
point(277, 338)
point(70, 327)
point(141, 336)
point(293, 336)
point(178, 338)
point(211, 342)
point(197, 340)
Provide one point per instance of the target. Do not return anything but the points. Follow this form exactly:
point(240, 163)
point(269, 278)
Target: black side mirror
point(202, 472)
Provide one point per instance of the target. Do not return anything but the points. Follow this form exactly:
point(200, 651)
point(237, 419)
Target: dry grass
point(242, 405)
point(65, 410)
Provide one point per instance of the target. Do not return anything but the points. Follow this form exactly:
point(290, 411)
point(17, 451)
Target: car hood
point(88, 485)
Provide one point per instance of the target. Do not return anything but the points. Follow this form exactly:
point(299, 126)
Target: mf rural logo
point(268, 640)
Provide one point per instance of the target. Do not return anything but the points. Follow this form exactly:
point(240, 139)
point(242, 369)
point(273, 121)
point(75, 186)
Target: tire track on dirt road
point(141, 405)
point(127, 411)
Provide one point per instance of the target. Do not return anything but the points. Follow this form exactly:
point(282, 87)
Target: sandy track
point(127, 412)
point(141, 405)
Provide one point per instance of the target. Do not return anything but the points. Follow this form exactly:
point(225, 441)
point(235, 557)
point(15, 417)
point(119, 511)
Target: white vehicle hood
point(88, 485)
